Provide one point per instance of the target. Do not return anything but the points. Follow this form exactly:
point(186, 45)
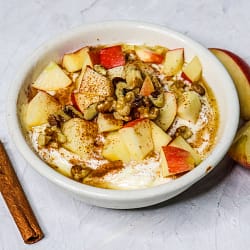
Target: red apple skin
point(244, 69)
point(147, 88)
point(185, 77)
point(74, 102)
point(133, 123)
point(111, 57)
point(238, 60)
point(179, 160)
point(94, 56)
point(149, 56)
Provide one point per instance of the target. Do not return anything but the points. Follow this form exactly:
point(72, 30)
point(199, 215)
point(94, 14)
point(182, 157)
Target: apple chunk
point(39, 109)
point(137, 137)
point(189, 106)
point(52, 78)
point(240, 149)
point(80, 136)
point(239, 70)
point(193, 70)
point(73, 62)
point(107, 123)
point(114, 148)
point(147, 55)
point(175, 161)
point(160, 137)
point(167, 112)
point(111, 57)
point(174, 60)
point(179, 142)
point(147, 87)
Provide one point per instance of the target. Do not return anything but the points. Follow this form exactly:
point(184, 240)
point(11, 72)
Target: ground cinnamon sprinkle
point(16, 201)
point(107, 168)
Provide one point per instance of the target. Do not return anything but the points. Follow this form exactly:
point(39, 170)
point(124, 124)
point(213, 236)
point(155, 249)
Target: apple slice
point(240, 149)
point(96, 83)
point(39, 109)
point(175, 161)
point(193, 70)
point(239, 70)
point(179, 142)
point(52, 78)
point(88, 60)
point(82, 101)
point(167, 112)
point(160, 137)
point(147, 55)
point(137, 137)
point(147, 87)
point(173, 63)
point(73, 62)
point(114, 148)
point(80, 136)
point(189, 106)
point(107, 123)
point(111, 57)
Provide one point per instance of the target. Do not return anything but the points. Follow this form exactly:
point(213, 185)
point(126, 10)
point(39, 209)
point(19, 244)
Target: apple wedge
point(96, 83)
point(73, 62)
point(147, 55)
point(114, 148)
point(175, 161)
point(39, 108)
point(160, 137)
point(240, 149)
point(239, 70)
point(179, 142)
point(107, 123)
point(189, 106)
point(147, 87)
point(80, 136)
point(82, 101)
point(192, 71)
point(52, 78)
point(111, 57)
point(137, 137)
point(167, 112)
point(173, 63)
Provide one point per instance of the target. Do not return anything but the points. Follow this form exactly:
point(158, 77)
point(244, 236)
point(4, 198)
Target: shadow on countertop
point(207, 183)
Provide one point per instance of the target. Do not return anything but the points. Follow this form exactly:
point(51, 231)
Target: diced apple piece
point(96, 83)
point(160, 137)
point(73, 62)
point(147, 55)
point(175, 161)
point(147, 87)
point(80, 136)
point(179, 142)
point(239, 70)
point(82, 101)
point(173, 63)
point(111, 57)
point(107, 123)
point(189, 106)
point(52, 78)
point(114, 148)
point(240, 149)
point(167, 112)
point(193, 70)
point(137, 137)
point(39, 109)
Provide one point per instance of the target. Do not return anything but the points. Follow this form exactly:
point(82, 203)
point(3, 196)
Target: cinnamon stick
point(17, 202)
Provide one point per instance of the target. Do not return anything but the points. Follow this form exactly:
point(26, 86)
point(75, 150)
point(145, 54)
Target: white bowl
point(127, 32)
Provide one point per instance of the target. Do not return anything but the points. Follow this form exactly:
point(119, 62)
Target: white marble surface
point(213, 214)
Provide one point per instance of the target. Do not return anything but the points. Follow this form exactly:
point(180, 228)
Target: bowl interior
point(135, 33)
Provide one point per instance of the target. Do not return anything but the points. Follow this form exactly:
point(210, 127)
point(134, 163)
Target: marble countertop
point(213, 214)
